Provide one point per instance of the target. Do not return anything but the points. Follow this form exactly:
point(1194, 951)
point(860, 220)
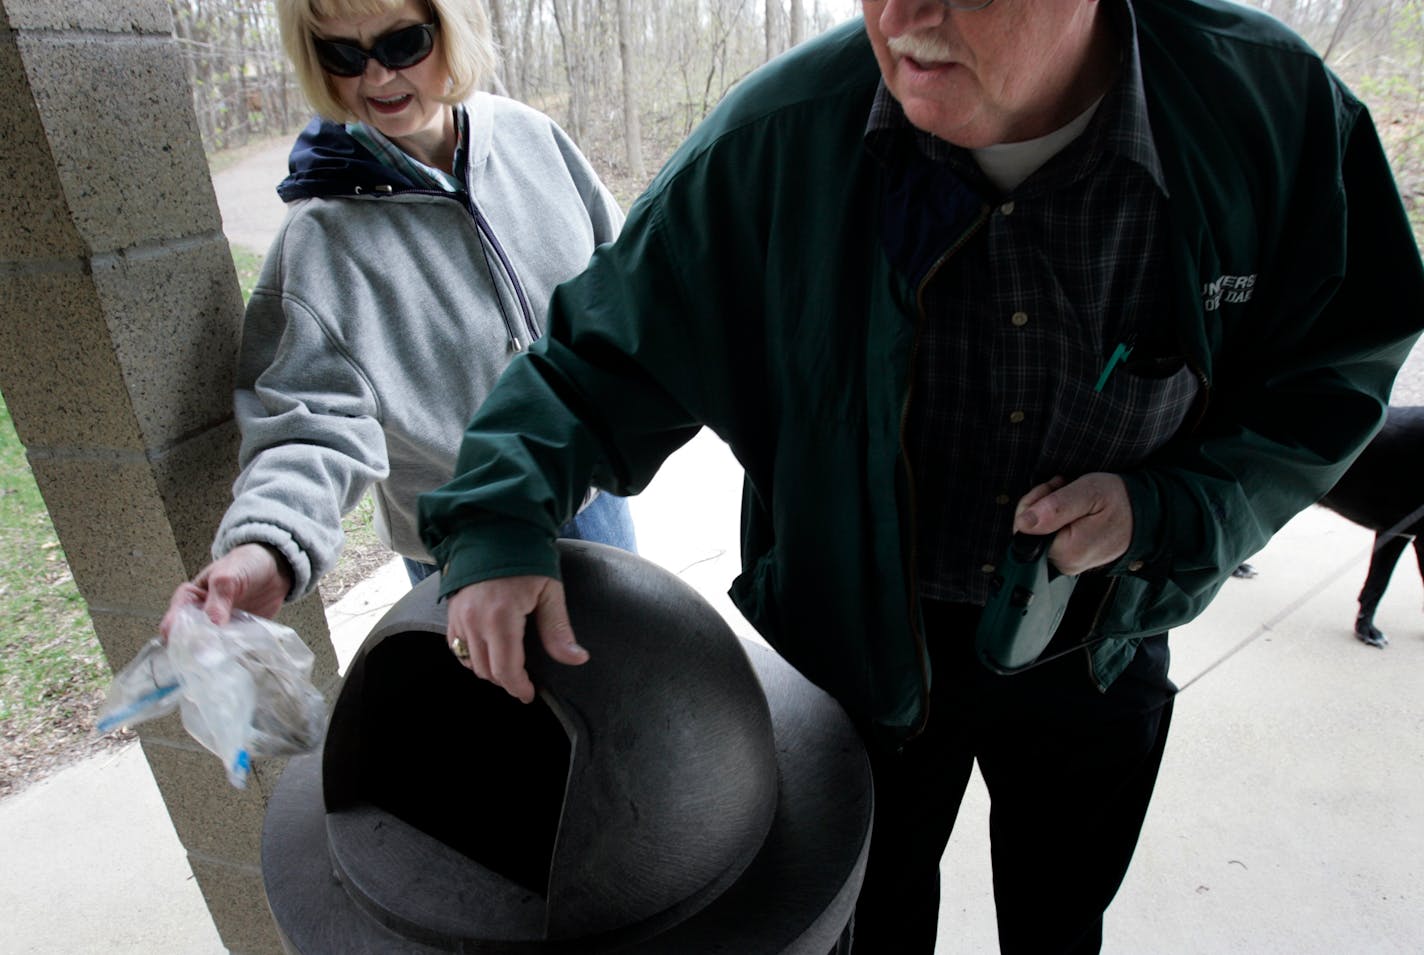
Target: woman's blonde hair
point(463, 37)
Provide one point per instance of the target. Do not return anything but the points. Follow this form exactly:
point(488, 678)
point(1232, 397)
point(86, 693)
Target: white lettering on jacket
point(1228, 289)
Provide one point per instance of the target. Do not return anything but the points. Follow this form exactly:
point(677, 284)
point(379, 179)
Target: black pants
point(1069, 771)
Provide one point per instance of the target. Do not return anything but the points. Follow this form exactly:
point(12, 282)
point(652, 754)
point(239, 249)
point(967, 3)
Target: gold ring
point(460, 649)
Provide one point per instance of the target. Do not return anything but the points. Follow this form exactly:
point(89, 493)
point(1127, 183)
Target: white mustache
point(918, 46)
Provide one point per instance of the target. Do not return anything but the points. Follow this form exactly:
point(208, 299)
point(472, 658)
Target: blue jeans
point(606, 521)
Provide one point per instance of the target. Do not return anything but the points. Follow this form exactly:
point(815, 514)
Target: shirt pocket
point(1139, 408)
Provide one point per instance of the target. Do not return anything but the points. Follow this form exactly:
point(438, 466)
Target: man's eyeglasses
point(397, 50)
point(965, 4)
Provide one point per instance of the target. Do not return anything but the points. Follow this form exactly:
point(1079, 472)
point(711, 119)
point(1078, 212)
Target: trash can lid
point(634, 802)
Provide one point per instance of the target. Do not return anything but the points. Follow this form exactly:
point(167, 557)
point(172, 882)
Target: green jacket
point(750, 292)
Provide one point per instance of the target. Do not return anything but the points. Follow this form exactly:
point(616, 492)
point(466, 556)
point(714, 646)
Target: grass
point(48, 653)
point(248, 265)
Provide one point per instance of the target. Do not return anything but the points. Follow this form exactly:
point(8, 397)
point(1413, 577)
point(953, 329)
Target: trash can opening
point(461, 760)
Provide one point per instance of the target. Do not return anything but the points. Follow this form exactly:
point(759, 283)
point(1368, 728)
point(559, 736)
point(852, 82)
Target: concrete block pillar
point(119, 319)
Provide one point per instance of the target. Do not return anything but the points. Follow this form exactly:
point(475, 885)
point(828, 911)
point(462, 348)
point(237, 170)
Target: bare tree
point(1377, 47)
point(632, 127)
point(241, 84)
point(1348, 9)
point(526, 47)
point(630, 77)
point(504, 76)
point(568, 18)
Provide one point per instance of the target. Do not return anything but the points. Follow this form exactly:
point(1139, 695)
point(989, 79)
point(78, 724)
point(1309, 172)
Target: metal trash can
point(685, 791)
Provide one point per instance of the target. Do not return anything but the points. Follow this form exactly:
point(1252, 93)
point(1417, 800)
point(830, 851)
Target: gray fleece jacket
point(383, 316)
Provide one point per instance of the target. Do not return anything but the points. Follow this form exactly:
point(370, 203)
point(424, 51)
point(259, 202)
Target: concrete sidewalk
point(1289, 815)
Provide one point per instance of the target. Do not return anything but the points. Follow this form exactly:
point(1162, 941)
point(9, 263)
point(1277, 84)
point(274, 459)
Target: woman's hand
point(1092, 515)
point(250, 577)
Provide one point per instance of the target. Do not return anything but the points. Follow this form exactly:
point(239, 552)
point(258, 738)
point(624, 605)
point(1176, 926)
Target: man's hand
point(490, 617)
point(249, 577)
point(1092, 515)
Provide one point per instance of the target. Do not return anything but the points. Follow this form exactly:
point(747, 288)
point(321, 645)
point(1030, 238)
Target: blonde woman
point(427, 226)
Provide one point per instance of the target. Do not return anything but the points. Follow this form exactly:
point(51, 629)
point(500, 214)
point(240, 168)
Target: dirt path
point(247, 195)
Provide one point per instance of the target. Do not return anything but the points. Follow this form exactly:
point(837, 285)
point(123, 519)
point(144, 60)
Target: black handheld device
point(1026, 603)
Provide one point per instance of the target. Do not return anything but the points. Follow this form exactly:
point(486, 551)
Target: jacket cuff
point(492, 550)
point(1143, 557)
point(281, 541)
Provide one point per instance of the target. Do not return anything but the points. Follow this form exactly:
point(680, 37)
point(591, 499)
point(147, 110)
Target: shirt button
point(1001, 500)
point(1136, 566)
point(1007, 209)
point(987, 569)
point(1016, 417)
point(1019, 319)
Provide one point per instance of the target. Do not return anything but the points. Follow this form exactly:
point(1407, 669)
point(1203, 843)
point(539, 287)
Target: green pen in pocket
point(1120, 354)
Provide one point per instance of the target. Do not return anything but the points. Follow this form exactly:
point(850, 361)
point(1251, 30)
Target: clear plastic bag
point(244, 689)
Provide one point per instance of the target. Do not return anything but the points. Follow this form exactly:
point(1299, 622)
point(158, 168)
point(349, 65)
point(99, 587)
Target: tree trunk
point(571, 39)
point(504, 73)
point(794, 30)
point(203, 84)
point(632, 128)
point(526, 50)
point(1347, 13)
point(771, 6)
point(242, 106)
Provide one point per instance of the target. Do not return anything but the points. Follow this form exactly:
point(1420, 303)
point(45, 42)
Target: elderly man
point(1136, 274)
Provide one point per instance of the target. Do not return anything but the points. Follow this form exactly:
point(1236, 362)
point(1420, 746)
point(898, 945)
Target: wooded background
point(630, 78)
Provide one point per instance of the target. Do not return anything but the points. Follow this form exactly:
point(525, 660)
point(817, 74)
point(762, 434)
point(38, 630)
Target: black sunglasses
point(397, 50)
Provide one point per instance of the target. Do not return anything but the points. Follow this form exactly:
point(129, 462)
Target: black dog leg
point(1382, 560)
point(1419, 554)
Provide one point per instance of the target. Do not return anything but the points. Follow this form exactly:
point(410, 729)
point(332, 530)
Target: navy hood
point(327, 161)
